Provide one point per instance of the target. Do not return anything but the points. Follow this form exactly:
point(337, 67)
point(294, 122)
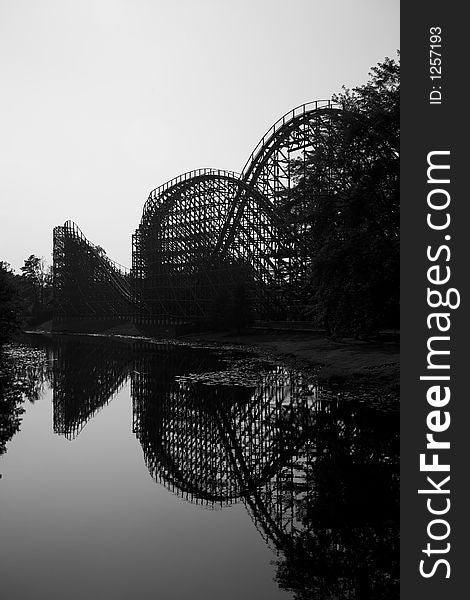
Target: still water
point(139, 470)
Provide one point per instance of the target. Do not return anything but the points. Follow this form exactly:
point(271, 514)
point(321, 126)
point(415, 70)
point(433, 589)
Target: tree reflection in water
point(23, 372)
point(317, 473)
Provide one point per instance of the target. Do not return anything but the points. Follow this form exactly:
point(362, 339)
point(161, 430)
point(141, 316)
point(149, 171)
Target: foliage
point(347, 199)
point(35, 284)
point(10, 304)
point(26, 298)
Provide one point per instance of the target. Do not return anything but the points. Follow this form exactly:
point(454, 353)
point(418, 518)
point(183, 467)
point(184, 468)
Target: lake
point(133, 469)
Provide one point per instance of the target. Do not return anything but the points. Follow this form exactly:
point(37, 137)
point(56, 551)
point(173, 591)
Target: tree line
point(26, 297)
point(346, 198)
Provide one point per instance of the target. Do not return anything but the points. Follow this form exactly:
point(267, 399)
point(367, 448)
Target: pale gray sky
point(103, 100)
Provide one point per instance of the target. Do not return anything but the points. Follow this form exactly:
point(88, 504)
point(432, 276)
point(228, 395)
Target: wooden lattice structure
point(86, 282)
point(204, 235)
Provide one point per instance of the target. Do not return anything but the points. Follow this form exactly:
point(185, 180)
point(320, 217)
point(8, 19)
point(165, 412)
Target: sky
point(102, 101)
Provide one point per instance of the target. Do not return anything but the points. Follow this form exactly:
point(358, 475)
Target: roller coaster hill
point(207, 240)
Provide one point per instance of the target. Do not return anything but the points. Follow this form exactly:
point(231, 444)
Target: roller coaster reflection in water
point(317, 472)
point(204, 234)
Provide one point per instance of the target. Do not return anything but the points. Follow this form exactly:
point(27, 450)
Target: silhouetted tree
point(33, 277)
point(35, 285)
point(10, 304)
point(347, 197)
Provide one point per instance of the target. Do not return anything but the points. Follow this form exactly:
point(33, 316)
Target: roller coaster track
point(206, 231)
point(86, 280)
point(296, 130)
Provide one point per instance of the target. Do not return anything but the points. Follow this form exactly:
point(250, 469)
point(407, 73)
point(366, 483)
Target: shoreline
point(366, 362)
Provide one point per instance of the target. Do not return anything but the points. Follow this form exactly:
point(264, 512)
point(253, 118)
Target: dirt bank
point(378, 361)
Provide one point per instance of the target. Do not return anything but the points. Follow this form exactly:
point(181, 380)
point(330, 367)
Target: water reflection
point(11, 400)
point(23, 373)
point(86, 374)
point(318, 474)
